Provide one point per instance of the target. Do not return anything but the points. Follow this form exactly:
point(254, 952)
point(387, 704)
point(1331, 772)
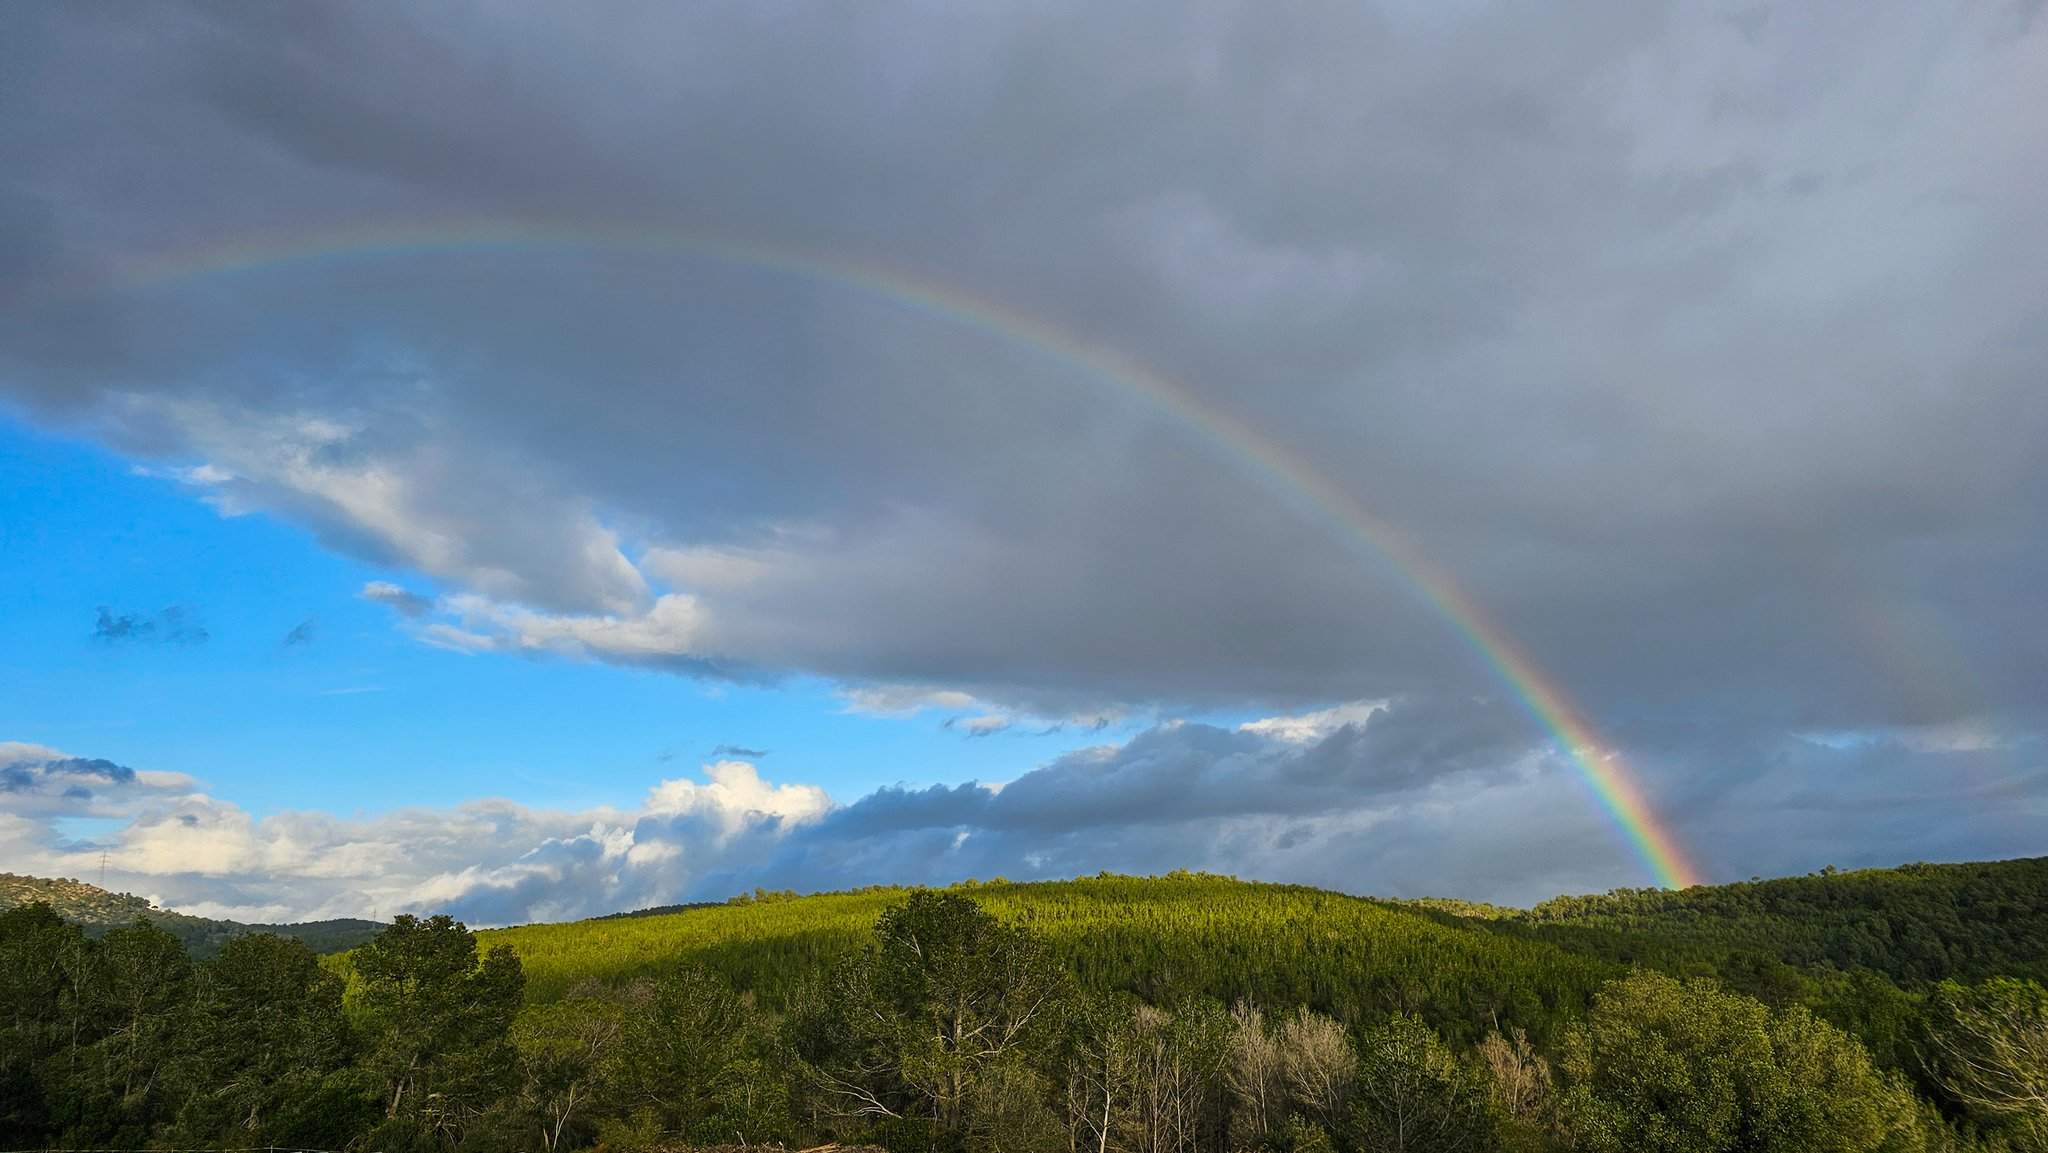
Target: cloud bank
point(1701, 343)
point(1375, 801)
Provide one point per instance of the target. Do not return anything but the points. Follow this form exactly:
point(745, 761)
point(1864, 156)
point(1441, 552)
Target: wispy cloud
point(397, 598)
point(171, 625)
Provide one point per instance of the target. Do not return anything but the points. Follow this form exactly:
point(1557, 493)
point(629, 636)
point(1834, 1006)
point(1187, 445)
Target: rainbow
point(1604, 772)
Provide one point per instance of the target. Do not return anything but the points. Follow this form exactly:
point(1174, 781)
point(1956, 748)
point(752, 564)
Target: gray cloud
point(400, 600)
point(42, 783)
point(1375, 805)
point(301, 634)
point(1700, 344)
point(172, 625)
point(737, 752)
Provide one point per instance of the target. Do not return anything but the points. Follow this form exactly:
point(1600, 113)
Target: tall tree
point(141, 995)
point(45, 971)
point(437, 1025)
point(946, 994)
point(268, 1040)
point(1412, 1095)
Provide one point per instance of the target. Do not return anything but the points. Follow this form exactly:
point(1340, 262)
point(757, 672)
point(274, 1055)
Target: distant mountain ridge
point(98, 910)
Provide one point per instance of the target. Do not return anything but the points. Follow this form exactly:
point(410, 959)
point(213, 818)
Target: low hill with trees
point(1917, 924)
point(1159, 938)
point(1179, 1014)
point(97, 910)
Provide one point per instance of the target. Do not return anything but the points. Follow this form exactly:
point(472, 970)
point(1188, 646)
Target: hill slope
point(1463, 966)
point(1163, 938)
point(99, 910)
point(1915, 924)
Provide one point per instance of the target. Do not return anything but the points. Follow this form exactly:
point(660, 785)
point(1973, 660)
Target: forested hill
point(1161, 938)
point(1916, 924)
point(98, 910)
point(1180, 1014)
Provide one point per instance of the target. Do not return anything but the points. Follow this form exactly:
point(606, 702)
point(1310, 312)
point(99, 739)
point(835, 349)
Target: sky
point(530, 464)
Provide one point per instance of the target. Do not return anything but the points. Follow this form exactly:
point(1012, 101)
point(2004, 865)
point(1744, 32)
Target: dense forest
point(1879, 1010)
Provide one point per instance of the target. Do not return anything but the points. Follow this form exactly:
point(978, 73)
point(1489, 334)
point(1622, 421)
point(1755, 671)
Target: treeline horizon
point(1878, 1010)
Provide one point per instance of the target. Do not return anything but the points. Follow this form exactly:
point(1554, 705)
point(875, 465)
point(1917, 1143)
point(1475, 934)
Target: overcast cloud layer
point(1704, 344)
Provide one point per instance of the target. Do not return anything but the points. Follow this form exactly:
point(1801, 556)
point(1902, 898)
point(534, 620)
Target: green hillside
point(1189, 1012)
point(1916, 924)
point(98, 910)
point(1162, 938)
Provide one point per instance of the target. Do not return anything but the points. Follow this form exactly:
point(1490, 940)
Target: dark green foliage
point(1859, 949)
point(935, 1026)
point(138, 997)
point(1084, 1015)
point(436, 1030)
point(693, 1060)
point(1916, 924)
point(265, 1045)
point(45, 1011)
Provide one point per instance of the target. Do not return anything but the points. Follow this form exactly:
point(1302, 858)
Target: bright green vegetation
point(1879, 1012)
point(1161, 938)
point(99, 910)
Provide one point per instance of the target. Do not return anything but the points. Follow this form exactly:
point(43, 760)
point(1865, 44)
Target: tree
point(142, 988)
point(1178, 1100)
point(1988, 1049)
point(45, 973)
point(563, 1051)
point(946, 993)
point(1319, 1065)
point(1833, 1099)
point(1687, 1067)
point(1517, 1077)
point(1255, 1076)
point(681, 1065)
point(1413, 1096)
point(267, 1040)
point(1101, 1072)
point(437, 1023)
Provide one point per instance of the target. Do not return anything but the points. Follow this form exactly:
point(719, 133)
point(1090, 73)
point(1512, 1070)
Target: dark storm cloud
point(1701, 344)
point(172, 625)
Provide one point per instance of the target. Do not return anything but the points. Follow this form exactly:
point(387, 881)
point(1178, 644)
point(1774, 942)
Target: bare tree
point(1254, 1074)
point(1518, 1077)
point(1101, 1071)
point(1180, 1061)
point(1319, 1063)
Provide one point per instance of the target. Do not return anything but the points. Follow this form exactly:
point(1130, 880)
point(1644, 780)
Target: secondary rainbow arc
point(1603, 770)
